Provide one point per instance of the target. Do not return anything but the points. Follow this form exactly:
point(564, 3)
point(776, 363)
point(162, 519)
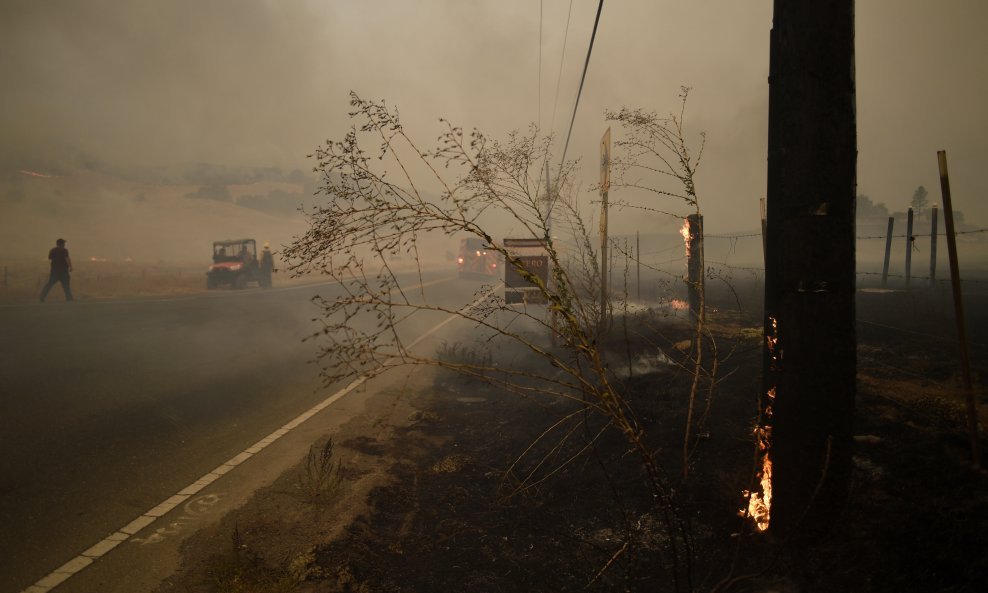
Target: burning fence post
point(810, 353)
point(694, 265)
point(888, 251)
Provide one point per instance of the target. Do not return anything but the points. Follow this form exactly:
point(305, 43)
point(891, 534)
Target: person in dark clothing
point(267, 265)
point(61, 265)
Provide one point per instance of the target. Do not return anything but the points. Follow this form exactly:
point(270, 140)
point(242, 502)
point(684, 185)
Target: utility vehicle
point(235, 263)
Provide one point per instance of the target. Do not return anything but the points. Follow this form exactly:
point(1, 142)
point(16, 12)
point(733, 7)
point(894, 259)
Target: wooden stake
point(955, 283)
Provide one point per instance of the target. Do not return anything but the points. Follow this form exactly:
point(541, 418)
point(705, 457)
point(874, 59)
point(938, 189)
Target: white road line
point(102, 547)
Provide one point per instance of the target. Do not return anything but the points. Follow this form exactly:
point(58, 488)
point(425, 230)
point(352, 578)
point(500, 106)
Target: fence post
point(933, 247)
point(694, 266)
point(909, 246)
point(955, 282)
point(888, 251)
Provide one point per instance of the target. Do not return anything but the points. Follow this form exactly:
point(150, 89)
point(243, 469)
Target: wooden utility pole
point(810, 353)
point(605, 184)
point(761, 205)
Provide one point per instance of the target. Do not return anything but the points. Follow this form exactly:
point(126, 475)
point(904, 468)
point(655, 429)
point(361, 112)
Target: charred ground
point(434, 496)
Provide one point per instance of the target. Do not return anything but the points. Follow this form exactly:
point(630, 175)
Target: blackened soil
point(489, 491)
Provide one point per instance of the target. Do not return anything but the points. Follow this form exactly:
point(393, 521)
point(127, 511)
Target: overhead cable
point(583, 77)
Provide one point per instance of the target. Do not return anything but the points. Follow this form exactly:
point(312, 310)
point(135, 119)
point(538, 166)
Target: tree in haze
point(374, 208)
point(216, 193)
point(868, 210)
point(919, 200)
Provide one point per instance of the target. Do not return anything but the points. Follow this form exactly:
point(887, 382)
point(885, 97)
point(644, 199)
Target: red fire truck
point(476, 259)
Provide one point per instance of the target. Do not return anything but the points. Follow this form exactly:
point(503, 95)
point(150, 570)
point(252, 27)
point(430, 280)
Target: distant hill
point(107, 216)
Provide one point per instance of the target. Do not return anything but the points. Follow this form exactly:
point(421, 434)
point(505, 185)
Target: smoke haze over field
point(258, 83)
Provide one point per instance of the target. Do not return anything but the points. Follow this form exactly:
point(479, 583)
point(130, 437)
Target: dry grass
point(97, 280)
point(21, 282)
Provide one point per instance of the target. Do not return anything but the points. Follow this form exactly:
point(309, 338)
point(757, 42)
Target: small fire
point(760, 503)
point(771, 340)
point(685, 232)
point(678, 305)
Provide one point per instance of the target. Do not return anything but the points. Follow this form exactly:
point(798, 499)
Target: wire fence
point(917, 318)
point(647, 258)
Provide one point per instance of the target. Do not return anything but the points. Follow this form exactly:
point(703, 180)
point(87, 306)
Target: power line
point(540, 65)
point(583, 77)
point(914, 235)
point(732, 236)
point(562, 58)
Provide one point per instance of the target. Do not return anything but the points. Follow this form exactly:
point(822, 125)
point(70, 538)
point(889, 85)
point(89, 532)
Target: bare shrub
point(321, 474)
point(370, 218)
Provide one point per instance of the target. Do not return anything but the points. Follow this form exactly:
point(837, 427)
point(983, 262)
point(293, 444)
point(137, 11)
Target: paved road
point(108, 408)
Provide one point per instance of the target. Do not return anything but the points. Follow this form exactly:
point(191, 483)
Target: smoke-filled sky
point(262, 82)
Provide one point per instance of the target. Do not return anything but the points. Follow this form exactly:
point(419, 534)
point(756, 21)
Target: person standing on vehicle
point(61, 265)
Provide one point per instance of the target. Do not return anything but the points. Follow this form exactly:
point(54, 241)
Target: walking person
point(61, 265)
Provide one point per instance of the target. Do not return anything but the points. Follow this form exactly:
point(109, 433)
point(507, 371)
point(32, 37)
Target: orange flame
point(760, 503)
point(685, 232)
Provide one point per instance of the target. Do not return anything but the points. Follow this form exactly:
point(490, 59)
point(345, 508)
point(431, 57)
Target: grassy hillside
point(105, 217)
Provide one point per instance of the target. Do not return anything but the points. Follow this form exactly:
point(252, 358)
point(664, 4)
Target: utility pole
point(810, 348)
point(605, 183)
